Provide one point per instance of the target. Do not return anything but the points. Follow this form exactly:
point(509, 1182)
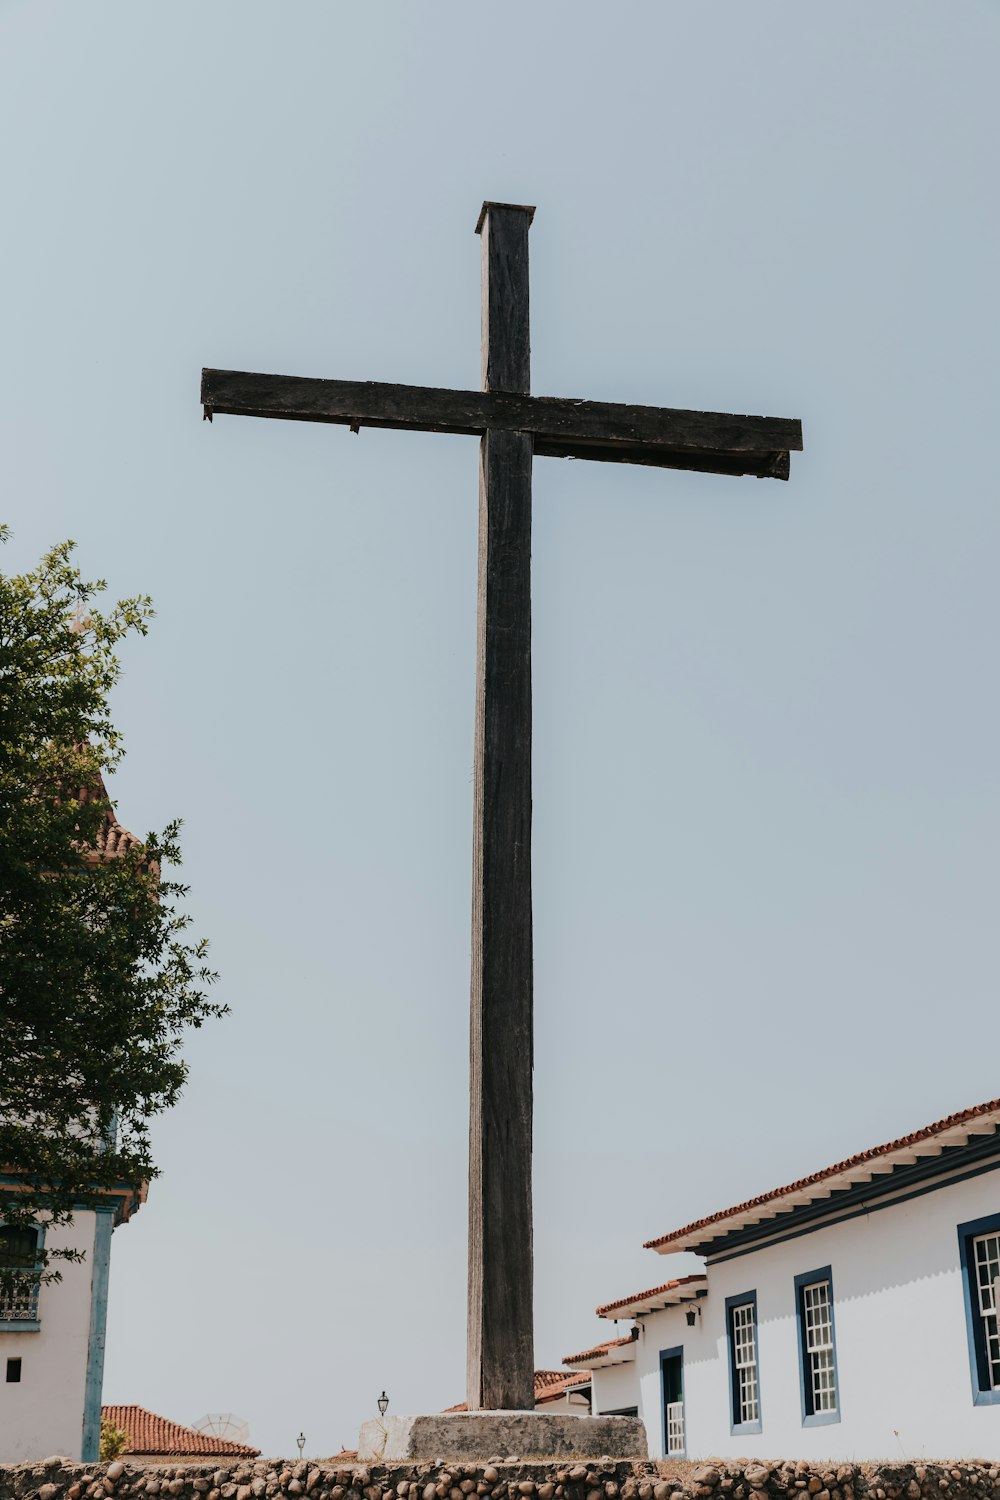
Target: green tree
point(114, 1441)
point(98, 978)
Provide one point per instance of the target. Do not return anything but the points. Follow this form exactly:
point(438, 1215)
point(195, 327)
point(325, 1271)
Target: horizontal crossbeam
point(663, 437)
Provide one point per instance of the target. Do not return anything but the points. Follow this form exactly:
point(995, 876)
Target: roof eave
point(684, 1289)
point(954, 1132)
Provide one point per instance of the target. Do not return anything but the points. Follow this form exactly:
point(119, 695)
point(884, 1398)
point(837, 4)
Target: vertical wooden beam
point(505, 345)
point(500, 1374)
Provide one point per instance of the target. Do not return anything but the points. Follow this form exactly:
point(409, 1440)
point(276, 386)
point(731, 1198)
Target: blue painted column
point(91, 1445)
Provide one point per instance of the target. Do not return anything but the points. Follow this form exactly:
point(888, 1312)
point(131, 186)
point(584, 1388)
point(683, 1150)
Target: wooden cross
point(512, 426)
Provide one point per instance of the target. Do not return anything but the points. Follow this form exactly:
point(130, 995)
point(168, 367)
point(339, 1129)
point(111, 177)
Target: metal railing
point(19, 1303)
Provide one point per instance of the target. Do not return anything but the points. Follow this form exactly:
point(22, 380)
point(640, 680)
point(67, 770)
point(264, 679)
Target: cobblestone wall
point(58, 1479)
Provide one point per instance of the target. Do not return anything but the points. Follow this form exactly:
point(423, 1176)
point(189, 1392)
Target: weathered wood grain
point(513, 427)
point(665, 437)
point(500, 1371)
point(505, 344)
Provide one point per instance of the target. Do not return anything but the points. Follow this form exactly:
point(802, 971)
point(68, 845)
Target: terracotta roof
point(600, 1352)
point(552, 1385)
point(151, 1436)
point(112, 839)
point(683, 1289)
point(954, 1130)
point(549, 1384)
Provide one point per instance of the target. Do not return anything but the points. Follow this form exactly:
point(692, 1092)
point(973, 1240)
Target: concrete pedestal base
point(470, 1435)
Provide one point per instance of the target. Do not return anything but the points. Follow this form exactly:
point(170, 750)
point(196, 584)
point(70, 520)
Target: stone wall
point(509, 1479)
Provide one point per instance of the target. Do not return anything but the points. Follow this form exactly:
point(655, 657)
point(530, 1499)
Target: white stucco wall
point(43, 1414)
point(900, 1331)
point(615, 1387)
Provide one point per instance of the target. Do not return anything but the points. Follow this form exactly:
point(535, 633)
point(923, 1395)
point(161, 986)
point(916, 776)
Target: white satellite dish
point(223, 1424)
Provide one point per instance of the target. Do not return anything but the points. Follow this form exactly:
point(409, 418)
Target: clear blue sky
point(767, 779)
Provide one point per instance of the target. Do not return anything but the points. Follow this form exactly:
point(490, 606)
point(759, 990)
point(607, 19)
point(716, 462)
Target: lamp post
point(300, 1442)
point(383, 1404)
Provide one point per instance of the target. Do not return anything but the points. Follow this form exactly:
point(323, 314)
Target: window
point(817, 1347)
point(979, 1247)
point(987, 1248)
point(19, 1291)
point(817, 1314)
point(13, 1372)
point(741, 1328)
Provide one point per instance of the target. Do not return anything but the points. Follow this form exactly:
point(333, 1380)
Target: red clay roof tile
point(151, 1436)
point(598, 1350)
point(668, 1286)
point(915, 1138)
point(549, 1384)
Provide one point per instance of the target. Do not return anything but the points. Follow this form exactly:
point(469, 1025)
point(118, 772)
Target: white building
point(557, 1391)
point(52, 1337)
point(851, 1315)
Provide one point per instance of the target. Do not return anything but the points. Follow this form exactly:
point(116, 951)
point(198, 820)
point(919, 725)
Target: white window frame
point(814, 1309)
point(979, 1255)
point(986, 1262)
point(744, 1363)
point(817, 1313)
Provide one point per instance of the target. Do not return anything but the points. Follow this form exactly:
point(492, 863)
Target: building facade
point(52, 1338)
point(52, 1335)
point(851, 1315)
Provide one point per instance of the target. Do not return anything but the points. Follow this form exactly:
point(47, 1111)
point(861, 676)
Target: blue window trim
point(982, 1394)
point(812, 1418)
point(677, 1352)
point(736, 1428)
point(91, 1435)
point(26, 1325)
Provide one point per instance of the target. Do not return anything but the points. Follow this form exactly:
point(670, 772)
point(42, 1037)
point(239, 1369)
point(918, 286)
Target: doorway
point(672, 1389)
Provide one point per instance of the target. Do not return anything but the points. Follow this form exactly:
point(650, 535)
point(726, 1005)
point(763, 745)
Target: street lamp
point(383, 1404)
point(301, 1442)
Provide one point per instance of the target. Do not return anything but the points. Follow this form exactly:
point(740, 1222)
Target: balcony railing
point(19, 1304)
point(675, 1427)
